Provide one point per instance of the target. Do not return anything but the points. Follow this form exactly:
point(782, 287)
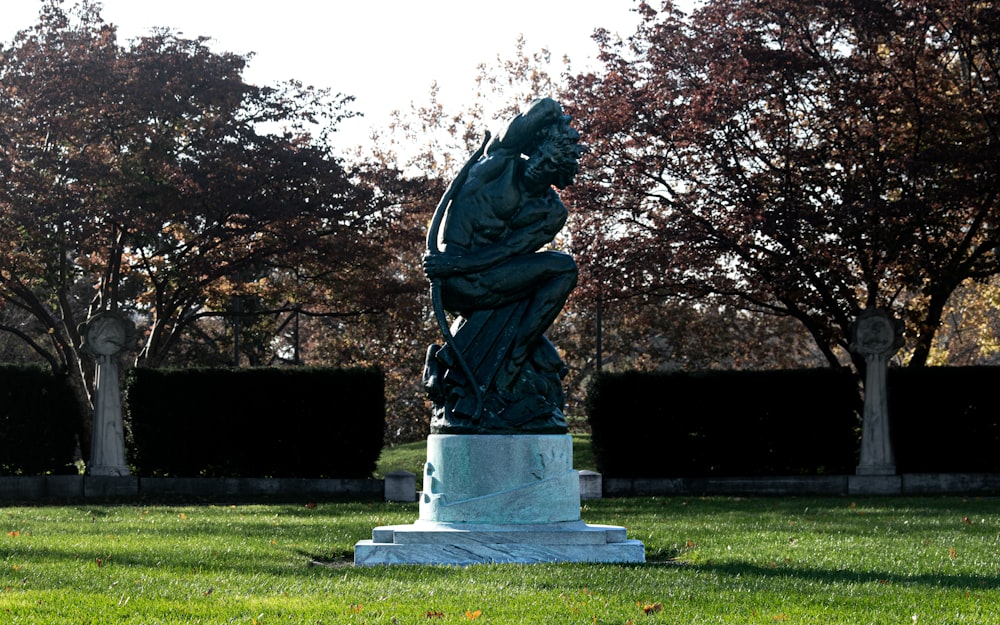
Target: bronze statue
point(497, 372)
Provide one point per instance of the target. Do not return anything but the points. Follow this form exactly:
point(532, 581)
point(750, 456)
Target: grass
point(714, 560)
point(411, 457)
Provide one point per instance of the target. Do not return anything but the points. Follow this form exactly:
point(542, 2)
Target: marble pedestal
point(498, 498)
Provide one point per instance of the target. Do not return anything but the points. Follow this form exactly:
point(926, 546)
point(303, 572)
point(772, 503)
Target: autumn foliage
point(151, 178)
point(802, 159)
point(748, 162)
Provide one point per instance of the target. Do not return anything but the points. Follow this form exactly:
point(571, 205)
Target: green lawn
point(715, 560)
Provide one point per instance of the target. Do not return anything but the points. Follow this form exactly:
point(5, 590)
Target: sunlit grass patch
point(715, 560)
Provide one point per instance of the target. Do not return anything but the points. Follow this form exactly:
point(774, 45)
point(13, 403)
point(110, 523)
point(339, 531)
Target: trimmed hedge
point(255, 422)
point(725, 423)
point(38, 422)
point(945, 419)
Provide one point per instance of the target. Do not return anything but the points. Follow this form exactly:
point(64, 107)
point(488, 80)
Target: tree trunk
point(928, 328)
point(77, 375)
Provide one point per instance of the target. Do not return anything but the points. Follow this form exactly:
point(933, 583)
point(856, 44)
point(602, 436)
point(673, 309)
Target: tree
point(970, 331)
point(152, 179)
point(433, 142)
point(803, 159)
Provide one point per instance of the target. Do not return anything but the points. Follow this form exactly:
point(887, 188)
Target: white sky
point(386, 53)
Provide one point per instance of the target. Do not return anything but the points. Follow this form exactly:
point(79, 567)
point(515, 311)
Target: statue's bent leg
point(543, 308)
point(540, 282)
point(515, 280)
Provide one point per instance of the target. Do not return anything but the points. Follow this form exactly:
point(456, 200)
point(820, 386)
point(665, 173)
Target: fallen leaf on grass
point(952, 553)
point(14, 534)
point(435, 614)
point(652, 608)
point(780, 617)
point(471, 616)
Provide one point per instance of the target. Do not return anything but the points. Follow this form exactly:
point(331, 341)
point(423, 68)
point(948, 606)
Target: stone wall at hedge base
point(909, 484)
point(59, 488)
point(65, 488)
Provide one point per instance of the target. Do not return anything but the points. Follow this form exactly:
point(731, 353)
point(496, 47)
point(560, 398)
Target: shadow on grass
point(831, 577)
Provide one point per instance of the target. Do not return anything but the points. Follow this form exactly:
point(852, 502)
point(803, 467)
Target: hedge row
point(38, 423)
point(255, 422)
point(316, 422)
point(733, 423)
point(725, 423)
point(945, 419)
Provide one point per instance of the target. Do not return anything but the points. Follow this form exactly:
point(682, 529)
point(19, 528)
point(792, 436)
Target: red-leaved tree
point(807, 159)
point(152, 179)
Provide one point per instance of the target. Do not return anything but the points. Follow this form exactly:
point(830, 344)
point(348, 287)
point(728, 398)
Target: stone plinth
point(498, 498)
point(875, 485)
point(591, 485)
point(498, 479)
point(468, 543)
point(401, 486)
point(111, 486)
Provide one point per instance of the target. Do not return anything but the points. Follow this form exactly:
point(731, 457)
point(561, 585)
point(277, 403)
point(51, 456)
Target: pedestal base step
point(472, 543)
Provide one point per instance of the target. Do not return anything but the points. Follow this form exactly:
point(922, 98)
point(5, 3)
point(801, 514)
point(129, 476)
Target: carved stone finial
point(876, 333)
point(108, 333)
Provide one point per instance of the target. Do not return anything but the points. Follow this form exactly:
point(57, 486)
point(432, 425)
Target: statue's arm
point(525, 240)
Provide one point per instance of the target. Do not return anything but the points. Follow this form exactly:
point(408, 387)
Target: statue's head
point(544, 135)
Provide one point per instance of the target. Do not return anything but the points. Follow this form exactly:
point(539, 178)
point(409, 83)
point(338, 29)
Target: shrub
point(945, 419)
point(255, 422)
point(38, 422)
point(735, 423)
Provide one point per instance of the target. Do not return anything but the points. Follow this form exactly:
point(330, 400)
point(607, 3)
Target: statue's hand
point(442, 265)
